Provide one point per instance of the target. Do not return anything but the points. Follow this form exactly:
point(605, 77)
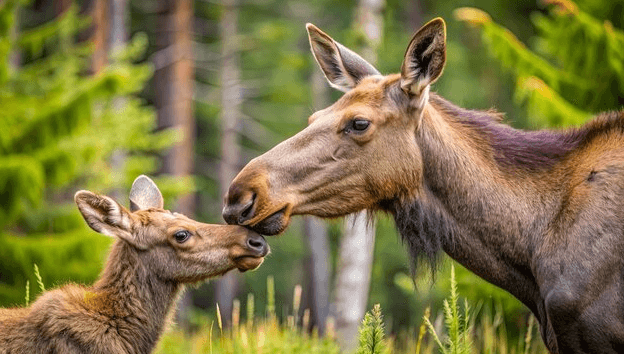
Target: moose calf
point(156, 252)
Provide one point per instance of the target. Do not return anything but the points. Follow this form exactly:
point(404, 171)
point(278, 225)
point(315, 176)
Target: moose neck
point(138, 300)
point(480, 211)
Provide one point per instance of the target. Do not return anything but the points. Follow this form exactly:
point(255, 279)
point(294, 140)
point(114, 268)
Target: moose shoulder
point(540, 214)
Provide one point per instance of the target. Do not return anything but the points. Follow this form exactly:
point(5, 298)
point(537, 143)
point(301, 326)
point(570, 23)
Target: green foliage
point(371, 333)
point(574, 69)
point(60, 129)
point(75, 255)
point(458, 326)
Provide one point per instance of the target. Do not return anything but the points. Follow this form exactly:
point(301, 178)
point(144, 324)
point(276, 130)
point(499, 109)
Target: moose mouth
point(245, 263)
point(253, 255)
point(272, 225)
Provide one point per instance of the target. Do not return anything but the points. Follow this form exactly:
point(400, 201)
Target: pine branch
point(513, 54)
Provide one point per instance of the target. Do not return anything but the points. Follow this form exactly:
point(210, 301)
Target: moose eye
point(358, 125)
point(182, 236)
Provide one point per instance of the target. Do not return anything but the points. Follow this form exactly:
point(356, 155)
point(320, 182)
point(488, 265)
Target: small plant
point(458, 326)
point(39, 281)
point(371, 333)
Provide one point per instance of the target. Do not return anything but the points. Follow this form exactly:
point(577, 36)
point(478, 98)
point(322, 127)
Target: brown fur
point(540, 214)
point(127, 309)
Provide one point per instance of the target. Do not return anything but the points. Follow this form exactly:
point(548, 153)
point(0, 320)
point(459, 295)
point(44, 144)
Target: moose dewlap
point(127, 309)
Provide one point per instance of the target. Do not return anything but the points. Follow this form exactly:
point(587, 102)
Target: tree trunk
point(355, 258)
point(317, 271)
point(415, 11)
point(118, 25)
point(173, 79)
point(61, 6)
point(231, 100)
point(100, 17)
point(117, 38)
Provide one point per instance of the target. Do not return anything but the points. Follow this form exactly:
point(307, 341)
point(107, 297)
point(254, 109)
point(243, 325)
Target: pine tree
point(574, 69)
point(59, 129)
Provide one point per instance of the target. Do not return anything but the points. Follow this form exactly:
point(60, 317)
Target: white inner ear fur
point(422, 97)
point(343, 82)
point(117, 217)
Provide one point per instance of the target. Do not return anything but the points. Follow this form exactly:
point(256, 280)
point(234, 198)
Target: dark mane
point(532, 150)
point(424, 228)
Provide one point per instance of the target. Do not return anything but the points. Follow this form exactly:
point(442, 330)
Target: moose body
point(127, 309)
point(537, 213)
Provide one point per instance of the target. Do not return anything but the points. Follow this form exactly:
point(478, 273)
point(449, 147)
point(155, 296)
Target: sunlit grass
point(457, 329)
point(461, 332)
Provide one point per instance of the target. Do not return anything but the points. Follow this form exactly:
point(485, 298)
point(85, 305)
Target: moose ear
point(106, 216)
point(342, 67)
point(424, 59)
point(144, 194)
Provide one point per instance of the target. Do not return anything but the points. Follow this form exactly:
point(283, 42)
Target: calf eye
point(182, 236)
point(358, 125)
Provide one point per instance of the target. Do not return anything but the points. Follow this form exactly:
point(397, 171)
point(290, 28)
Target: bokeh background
point(95, 92)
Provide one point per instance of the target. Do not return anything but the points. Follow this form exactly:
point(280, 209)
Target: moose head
point(354, 154)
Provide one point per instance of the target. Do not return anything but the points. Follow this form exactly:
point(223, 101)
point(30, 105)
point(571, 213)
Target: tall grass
point(457, 329)
point(460, 334)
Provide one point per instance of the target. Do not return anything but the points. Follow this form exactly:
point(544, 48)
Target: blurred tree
point(99, 10)
point(59, 129)
point(317, 272)
point(355, 258)
point(231, 105)
point(117, 40)
point(174, 78)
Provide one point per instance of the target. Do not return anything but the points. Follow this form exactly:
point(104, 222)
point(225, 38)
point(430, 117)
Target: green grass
point(460, 334)
point(457, 329)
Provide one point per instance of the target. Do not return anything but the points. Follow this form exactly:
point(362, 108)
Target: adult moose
point(540, 214)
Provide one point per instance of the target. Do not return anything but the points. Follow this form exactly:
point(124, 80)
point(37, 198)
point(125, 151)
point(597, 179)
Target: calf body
point(127, 309)
point(540, 214)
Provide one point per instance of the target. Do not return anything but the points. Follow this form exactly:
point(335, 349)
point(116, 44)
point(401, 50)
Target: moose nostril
point(257, 244)
point(248, 209)
point(237, 212)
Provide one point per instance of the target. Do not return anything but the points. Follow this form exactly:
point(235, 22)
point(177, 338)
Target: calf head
point(175, 247)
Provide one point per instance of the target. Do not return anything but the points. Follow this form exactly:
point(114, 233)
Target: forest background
point(95, 92)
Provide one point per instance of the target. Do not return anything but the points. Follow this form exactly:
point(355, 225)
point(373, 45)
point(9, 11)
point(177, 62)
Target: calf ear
point(343, 68)
point(424, 59)
point(144, 194)
point(106, 216)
